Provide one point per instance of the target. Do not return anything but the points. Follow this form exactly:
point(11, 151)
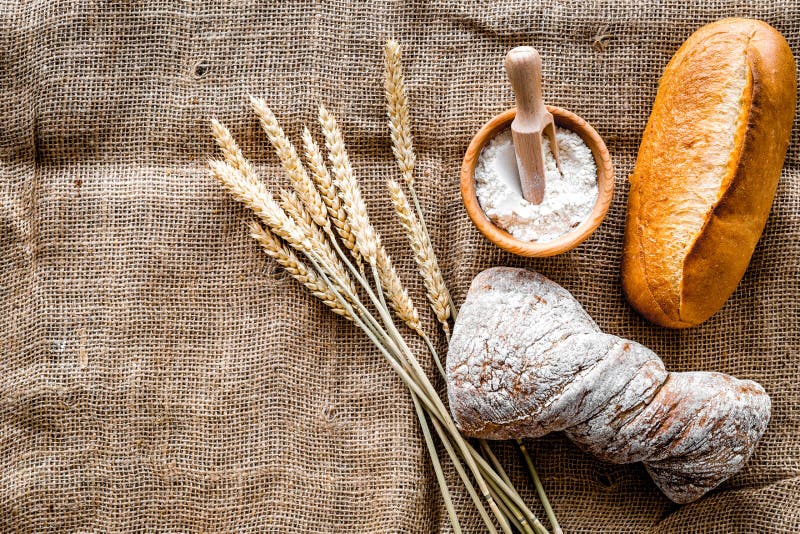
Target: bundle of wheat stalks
point(321, 234)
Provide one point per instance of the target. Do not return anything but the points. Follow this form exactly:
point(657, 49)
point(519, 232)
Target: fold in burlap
point(159, 373)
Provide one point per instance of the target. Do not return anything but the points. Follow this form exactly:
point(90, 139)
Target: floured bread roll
point(525, 359)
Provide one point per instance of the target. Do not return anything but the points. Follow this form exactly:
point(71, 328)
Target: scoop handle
point(524, 67)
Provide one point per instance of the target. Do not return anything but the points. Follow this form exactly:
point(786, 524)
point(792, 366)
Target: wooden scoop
point(524, 68)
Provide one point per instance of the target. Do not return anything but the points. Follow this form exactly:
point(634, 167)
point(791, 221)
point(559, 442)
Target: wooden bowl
point(573, 238)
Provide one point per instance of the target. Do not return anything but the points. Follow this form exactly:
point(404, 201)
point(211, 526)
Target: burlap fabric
point(159, 373)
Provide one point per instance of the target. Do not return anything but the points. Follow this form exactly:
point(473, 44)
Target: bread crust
point(684, 291)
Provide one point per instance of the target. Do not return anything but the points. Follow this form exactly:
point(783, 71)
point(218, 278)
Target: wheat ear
point(292, 164)
point(399, 299)
point(295, 208)
point(436, 290)
point(397, 110)
point(230, 150)
point(368, 240)
point(252, 193)
point(255, 196)
point(236, 175)
point(400, 127)
point(287, 259)
point(329, 194)
point(346, 184)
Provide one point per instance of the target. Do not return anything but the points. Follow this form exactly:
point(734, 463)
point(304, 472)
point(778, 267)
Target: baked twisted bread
point(525, 359)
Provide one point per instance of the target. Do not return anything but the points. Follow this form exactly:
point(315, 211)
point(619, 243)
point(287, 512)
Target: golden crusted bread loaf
point(707, 170)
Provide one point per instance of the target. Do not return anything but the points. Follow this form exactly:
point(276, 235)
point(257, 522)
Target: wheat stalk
point(293, 222)
point(329, 194)
point(440, 299)
point(397, 110)
point(287, 259)
point(417, 232)
point(292, 164)
point(436, 290)
point(400, 126)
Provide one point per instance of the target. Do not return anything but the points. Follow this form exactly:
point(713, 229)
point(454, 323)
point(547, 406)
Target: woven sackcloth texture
point(158, 373)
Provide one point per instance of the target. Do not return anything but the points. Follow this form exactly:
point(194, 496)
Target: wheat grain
point(397, 110)
point(424, 255)
point(287, 259)
point(294, 208)
point(292, 164)
point(329, 194)
point(349, 192)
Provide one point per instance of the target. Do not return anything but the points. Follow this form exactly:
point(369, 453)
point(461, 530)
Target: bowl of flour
point(577, 193)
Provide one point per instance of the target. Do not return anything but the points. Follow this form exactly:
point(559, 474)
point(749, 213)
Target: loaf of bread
point(707, 170)
point(525, 359)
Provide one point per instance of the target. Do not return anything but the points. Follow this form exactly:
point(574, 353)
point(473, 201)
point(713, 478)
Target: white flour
point(567, 201)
